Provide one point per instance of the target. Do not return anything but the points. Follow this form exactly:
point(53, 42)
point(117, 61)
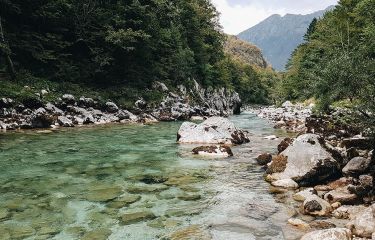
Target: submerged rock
point(131, 218)
point(215, 130)
point(264, 159)
point(329, 234)
point(214, 151)
point(103, 194)
point(305, 161)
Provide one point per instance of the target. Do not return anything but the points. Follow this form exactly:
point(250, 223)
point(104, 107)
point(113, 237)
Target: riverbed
point(135, 182)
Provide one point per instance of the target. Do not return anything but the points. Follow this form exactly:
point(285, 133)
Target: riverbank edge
point(195, 103)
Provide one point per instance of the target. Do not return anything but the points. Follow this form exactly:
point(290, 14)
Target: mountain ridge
point(277, 36)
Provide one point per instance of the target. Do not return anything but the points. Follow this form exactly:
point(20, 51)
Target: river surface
point(135, 182)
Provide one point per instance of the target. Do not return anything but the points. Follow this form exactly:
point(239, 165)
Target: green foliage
point(106, 47)
point(336, 62)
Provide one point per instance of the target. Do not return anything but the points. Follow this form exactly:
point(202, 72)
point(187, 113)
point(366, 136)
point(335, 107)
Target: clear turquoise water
point(71, 184)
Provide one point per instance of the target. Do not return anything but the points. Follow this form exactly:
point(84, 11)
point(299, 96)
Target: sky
point(239, 15)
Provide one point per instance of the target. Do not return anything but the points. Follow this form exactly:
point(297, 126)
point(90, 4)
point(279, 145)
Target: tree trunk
point(8, 60)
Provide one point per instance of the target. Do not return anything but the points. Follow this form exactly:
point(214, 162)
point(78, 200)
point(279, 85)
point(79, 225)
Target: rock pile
point(337, 164)
point(289, 116)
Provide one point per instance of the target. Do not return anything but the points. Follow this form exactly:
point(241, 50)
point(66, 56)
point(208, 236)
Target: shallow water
point(136, 182)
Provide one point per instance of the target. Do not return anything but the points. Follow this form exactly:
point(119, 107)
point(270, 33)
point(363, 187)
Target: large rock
point(53, 109)
point(64, 121)
point(111, 107)
point(363, 225)
point(306, 162)
point(356, 166)
point(41, 119)
point(68, 98)
point(329, 234)
point(215, 130)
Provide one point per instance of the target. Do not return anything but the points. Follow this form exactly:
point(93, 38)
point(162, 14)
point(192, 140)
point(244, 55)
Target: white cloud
point(237, 16)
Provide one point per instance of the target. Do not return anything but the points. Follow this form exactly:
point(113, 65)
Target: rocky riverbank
point(70, 111)
point(291, 117)
point(329, 169)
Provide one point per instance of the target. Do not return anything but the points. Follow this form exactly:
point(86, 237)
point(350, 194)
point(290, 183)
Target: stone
point(123, 201)
point(103, 194)
point(285, 183)
point(18, 231)
point(264, 158)
point(306, 162)
point(40, 119)
point(298, 223)
point(4, 214)
point(363, 225)
point(131, 218)
point(189, 197)
point(348, 211)
point(271, 137)
point(53, 109)
point(68, 98)
point(97, 234)
point(316, 206)
point(6, 102)
point(86, 102)
point(141, 104)
point(341, 195)
point(193, 232)
point(111, 107)
point(213, 151)
point(43, 92)
point(301, 196)
point(357, 166)
point(329, 234)
point(362, 143)
point(64, 121)
point(215, 130)
point(284, 144)
point(317, 224)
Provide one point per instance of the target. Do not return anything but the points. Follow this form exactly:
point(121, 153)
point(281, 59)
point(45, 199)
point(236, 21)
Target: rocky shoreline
point(329, 169)
point(70, 111)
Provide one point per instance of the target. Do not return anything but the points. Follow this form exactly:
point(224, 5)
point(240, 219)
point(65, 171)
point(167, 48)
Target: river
point(135, 182)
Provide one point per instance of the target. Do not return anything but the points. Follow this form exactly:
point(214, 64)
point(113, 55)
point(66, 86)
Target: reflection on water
point(134, 182)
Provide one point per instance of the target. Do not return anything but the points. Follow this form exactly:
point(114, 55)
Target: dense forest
point(335, 65)
point(118, 48)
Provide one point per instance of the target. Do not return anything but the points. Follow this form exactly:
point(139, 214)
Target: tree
point(5, 50)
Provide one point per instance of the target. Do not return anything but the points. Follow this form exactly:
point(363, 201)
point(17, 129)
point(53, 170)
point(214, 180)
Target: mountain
point(244, 52)
point(278, 36)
